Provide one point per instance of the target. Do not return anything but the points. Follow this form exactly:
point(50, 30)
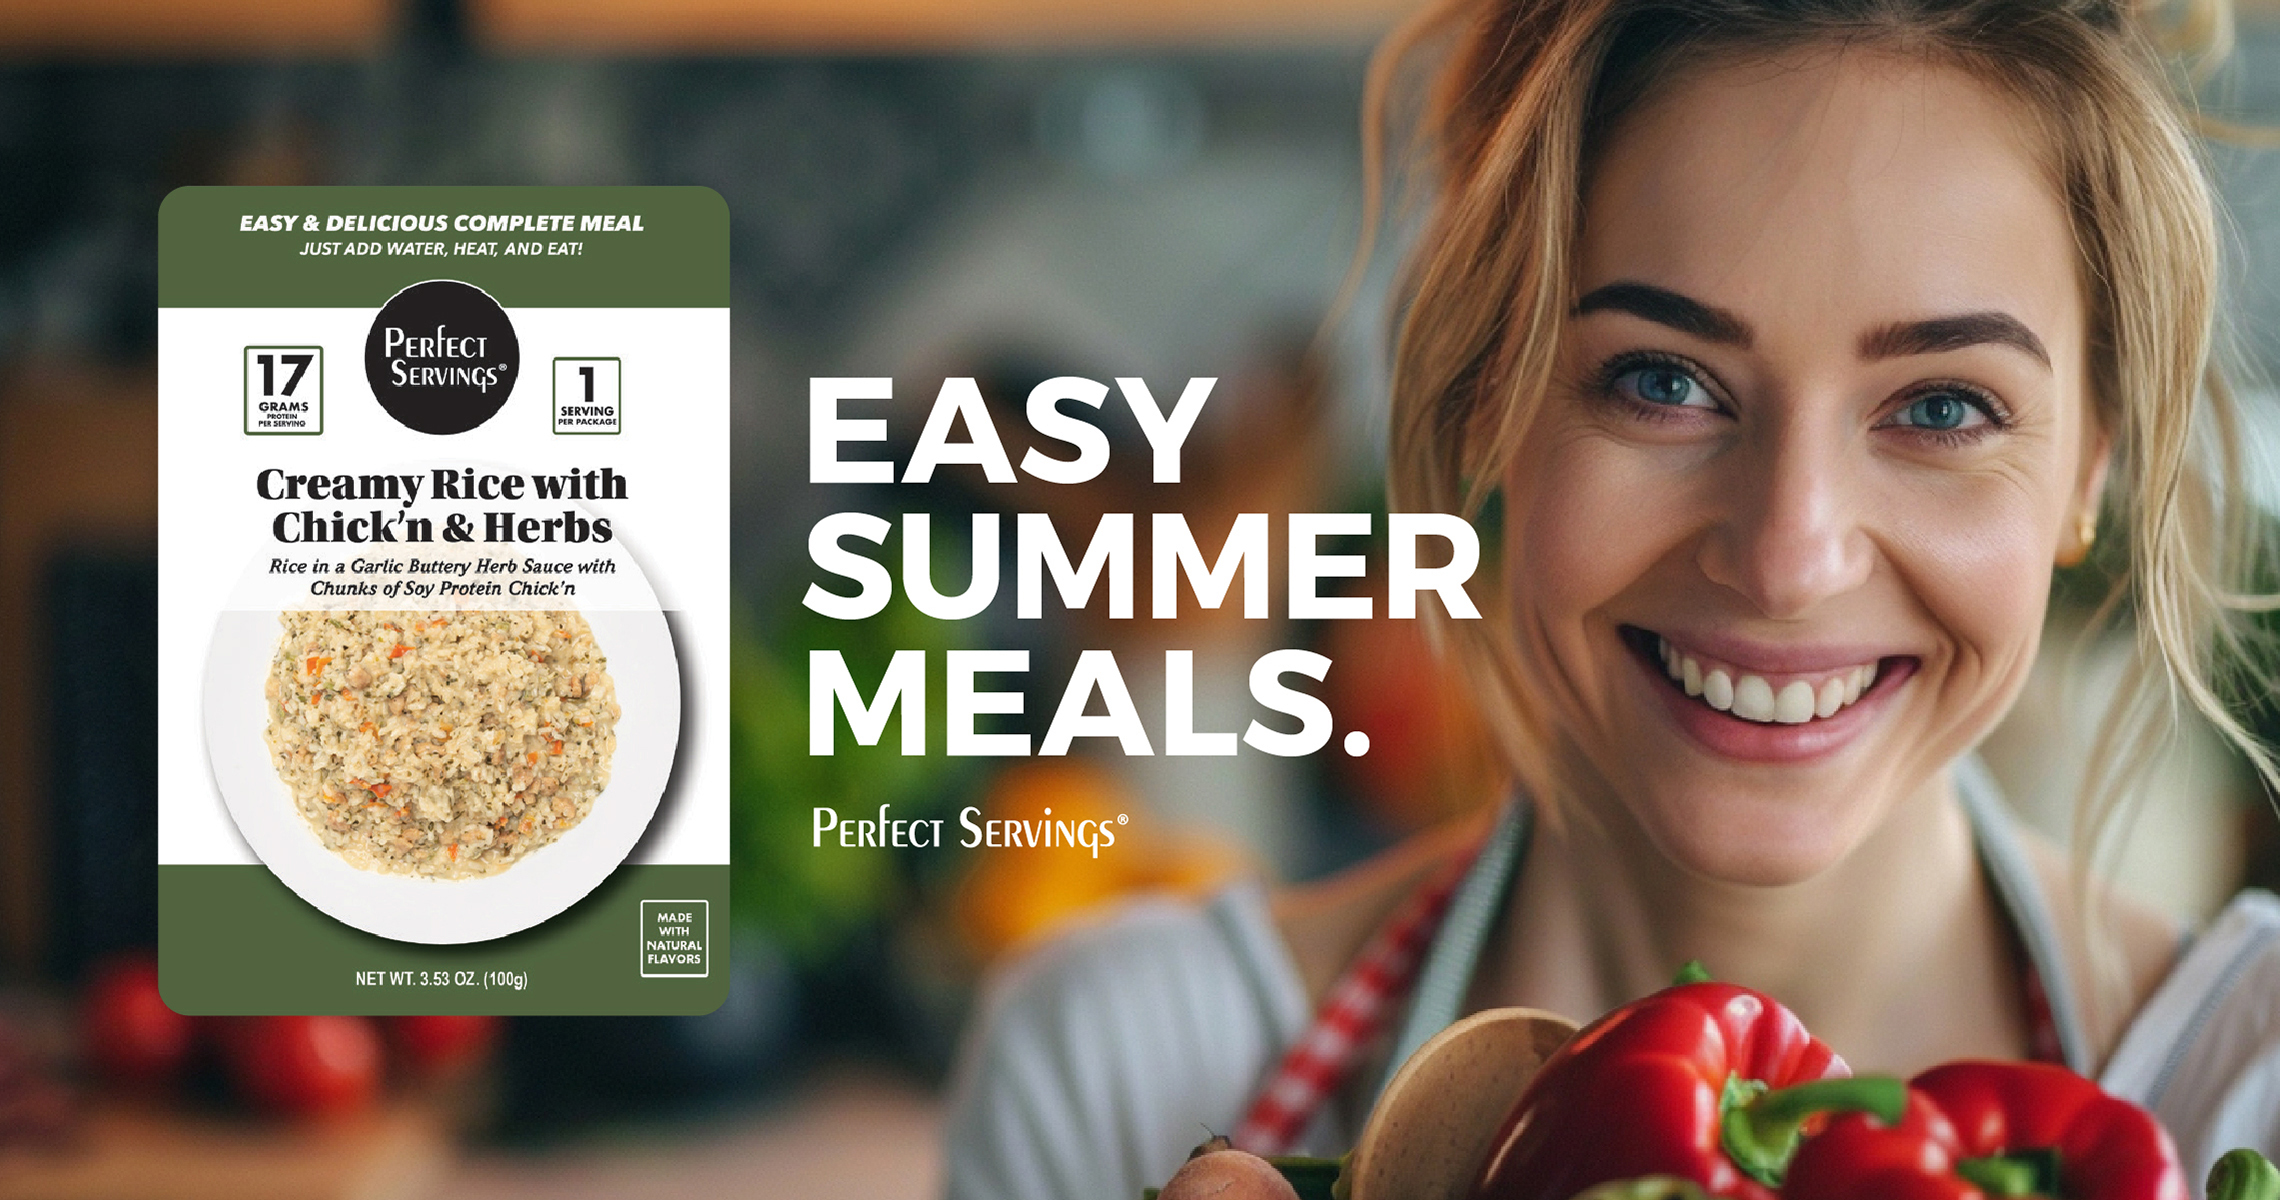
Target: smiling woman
point(1860, 456)
point(1799, 341)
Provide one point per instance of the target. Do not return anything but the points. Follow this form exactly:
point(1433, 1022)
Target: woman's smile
point(1767, 704)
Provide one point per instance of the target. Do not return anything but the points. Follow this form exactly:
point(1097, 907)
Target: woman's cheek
point(1596, 514)
point(1975, 558)
point(1589, 520)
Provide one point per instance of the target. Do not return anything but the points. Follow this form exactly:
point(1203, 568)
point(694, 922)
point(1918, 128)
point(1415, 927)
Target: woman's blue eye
point(1940, 412)
point(1665, 387)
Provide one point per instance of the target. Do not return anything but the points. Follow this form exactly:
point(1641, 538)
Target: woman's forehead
point(1856, 187)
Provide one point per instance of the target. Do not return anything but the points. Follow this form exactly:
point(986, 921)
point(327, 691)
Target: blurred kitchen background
point(1005, 189)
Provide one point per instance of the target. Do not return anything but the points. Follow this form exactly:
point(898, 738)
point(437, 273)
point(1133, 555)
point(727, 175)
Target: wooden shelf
point(730, 26)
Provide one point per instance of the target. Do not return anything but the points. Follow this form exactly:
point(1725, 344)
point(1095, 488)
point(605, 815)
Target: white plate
point(639, 649)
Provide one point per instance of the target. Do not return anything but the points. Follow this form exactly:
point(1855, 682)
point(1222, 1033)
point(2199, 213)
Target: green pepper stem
point(1692, 972)
point(1761, 1134)
point(1998, 1176)
point(2244, 1175)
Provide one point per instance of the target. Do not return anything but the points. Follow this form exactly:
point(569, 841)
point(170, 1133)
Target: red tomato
point(131, 1035)
point(306, 1066)
point(442, 1043)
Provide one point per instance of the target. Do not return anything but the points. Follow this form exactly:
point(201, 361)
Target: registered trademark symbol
point(1122, 819)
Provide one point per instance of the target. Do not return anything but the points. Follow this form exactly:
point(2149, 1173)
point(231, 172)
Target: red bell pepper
point(1705, 1082)
point(1994, 1129)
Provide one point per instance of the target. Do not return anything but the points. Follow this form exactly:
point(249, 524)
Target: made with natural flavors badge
point(444, 616)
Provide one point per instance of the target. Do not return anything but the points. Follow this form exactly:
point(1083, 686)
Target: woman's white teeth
point(1753, 698)
point(1718, 689)
point(1794, 706)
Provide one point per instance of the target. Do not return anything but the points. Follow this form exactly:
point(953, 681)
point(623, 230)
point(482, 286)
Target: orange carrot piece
point(557, 748)
point(317, 662)
point(399, 651)
point(381, 790)
point(455, 852)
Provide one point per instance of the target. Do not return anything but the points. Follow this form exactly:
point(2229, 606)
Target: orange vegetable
point(381, 790)
point(557, 748)
point(455, 852)
point(317, 662)
point(399, 651)
point(365, 728)
point(532, 756)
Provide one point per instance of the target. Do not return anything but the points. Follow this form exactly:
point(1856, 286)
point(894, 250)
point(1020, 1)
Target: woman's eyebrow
point(1666, 307)
point(1952, 333)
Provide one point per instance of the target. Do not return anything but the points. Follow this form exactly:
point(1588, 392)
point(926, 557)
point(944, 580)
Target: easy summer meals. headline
point(960, 431)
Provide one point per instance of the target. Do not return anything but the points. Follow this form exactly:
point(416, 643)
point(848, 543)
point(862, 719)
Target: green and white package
point(444, 600)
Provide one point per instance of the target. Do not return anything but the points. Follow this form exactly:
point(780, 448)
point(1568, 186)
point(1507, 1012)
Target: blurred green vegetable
point(811, 899)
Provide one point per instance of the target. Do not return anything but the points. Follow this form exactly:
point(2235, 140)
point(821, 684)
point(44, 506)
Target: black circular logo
point(442, 356)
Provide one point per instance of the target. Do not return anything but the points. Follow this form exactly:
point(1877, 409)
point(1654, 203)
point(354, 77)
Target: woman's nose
point(1792, 535)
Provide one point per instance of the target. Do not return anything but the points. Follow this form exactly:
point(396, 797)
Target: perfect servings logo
point(442, 356)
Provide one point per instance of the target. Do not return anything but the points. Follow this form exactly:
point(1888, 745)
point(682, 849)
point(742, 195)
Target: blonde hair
point(1528, 93)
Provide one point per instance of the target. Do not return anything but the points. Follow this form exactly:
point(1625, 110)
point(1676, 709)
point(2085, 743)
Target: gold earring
point(2085, 536)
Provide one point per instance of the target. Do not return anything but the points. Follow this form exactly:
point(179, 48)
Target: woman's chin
point(1747, 841)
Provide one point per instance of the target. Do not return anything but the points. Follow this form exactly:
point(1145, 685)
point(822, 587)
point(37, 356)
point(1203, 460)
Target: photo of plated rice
point(440, 744)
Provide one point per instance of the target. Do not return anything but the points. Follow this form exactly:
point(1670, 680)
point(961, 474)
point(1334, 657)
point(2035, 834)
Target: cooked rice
point(444, 744)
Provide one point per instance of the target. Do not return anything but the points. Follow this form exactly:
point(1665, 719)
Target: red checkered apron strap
point(1353, 1013)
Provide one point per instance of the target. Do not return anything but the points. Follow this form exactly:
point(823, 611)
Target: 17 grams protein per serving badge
point(443, 689)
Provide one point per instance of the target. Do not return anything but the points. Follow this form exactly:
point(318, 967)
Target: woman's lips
point(1766, 716)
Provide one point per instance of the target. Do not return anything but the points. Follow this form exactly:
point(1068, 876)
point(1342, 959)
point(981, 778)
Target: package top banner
point(557, 247)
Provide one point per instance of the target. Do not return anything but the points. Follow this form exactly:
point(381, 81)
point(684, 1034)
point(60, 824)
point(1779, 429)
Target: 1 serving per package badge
point(443, 621)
